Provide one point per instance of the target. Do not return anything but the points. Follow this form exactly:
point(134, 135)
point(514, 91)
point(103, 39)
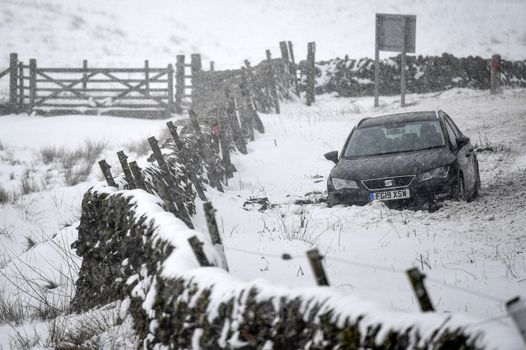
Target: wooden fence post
point(215, 181)
point(294, 69)
point(123, 159)
point(20, 84)
point(416, 278)
point(181, 152)
point(170, 87)
point(272, 83)
point(291, 52)
point(13, 82)
point(213, 229)
point(138, 179)
point(284, 51)
point(196, 63)
point(197, 247)
point(182, 213)
point(173, 131)
point(147, 76)
point(317, 268)
point(247, 108)
point(237, 134)
point(105, 167)
point(517, 311)
point(84, 75)
point(179, 84)
point(225, 149)
point(32, 82)
point(311, 73)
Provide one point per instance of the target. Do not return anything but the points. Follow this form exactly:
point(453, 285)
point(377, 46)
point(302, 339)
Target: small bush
point(29, 186)
point(9, 157)
point(78, 173)
point(50, 154)
point(12, 312)
point(78, 163)
point(4, 195)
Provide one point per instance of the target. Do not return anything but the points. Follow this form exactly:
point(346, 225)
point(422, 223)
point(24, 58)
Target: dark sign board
point(393, 30)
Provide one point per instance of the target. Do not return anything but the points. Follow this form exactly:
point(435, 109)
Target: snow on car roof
point(397, 118)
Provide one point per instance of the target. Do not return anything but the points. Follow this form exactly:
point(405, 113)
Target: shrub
point(50, 154)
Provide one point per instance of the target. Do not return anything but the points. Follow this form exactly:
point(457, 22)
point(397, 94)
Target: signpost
point(393, 33)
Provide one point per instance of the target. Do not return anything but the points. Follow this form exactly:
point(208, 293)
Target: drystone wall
point(134, 250)
point(212, 90)
point(355, 77)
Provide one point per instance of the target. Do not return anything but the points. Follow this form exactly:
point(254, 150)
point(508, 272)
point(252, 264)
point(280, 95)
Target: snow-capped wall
point(352, 78)
point(209, 87)
point(134, 250)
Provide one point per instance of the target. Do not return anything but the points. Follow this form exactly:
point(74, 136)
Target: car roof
point(397, 118)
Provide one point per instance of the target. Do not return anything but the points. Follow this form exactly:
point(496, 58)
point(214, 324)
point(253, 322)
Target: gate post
point(13, 81)
point(170, 87)
point(32, 83)
point(196, 63)
point(20, 85)
point(179, 84)
point(84, 75)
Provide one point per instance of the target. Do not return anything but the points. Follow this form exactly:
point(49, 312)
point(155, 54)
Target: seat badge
point(388, 183)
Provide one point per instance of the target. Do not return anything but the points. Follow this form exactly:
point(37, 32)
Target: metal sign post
point(393, 33)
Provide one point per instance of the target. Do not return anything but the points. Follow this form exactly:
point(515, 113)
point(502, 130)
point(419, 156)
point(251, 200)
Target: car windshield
point(395, 138)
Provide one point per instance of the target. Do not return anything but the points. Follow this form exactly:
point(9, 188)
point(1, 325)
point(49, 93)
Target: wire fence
point(486, 296)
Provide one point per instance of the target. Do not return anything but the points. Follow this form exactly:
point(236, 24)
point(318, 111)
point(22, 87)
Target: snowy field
point(473, 254)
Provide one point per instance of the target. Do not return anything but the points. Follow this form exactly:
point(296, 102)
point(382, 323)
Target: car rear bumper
point(420, 193)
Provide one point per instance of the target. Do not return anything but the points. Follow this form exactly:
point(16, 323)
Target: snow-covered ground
point(473, 254)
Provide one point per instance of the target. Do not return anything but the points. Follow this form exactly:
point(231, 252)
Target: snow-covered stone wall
point(134, 250)
point(209, 87)
point(352, 78)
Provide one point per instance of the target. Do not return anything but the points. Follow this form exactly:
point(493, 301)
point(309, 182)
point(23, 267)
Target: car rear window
point(395, 138)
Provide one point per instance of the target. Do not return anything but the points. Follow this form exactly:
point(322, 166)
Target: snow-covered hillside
point(110, 32)
point(474, 254)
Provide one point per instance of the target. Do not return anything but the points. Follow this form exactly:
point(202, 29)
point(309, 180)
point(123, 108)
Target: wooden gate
point(110, 91)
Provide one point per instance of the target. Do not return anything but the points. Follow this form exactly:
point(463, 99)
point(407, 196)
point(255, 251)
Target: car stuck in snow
point(404, 159)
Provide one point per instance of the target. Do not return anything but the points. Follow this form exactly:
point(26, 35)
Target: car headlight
point(438, 173)
point(342, 183)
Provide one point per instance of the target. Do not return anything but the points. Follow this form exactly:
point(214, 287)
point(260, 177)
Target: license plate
point(389, 195)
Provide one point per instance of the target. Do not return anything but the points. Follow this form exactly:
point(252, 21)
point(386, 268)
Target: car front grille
point(383, 183)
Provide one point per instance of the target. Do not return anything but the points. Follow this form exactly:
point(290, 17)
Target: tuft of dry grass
point(4, 195)
point(12, 312)
point(77, 164)
point(141, 148)
point(51, 154)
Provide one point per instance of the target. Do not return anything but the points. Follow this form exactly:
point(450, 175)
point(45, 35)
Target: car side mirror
point(462, 141)
point(332, 156)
